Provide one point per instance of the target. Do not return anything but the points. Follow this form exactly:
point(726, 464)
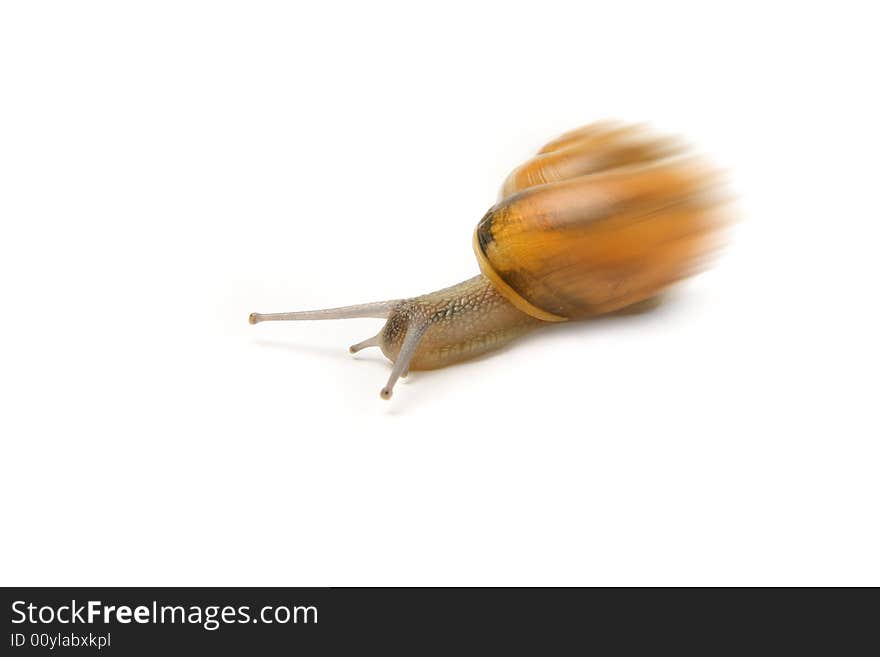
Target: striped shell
point(601, 218)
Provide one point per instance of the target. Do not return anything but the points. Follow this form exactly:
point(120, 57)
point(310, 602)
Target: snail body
point(602, 219)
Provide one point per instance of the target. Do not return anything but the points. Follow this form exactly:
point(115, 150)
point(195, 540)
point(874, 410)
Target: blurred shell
point(601, 218)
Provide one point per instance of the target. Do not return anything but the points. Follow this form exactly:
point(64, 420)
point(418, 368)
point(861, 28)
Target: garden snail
point(601, 219)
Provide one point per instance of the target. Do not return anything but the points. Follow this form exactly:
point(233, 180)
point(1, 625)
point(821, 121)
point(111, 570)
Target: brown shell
point(604, 217)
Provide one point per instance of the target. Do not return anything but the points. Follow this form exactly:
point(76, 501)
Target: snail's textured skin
point(463, 321)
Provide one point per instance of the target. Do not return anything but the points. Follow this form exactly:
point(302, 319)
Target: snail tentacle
point(410, 345)
point(379, 309)
point(375, 341)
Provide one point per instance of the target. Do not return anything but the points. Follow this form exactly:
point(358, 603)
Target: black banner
point(149, 621)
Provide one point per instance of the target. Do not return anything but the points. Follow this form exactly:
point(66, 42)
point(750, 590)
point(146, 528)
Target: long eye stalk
point(379, 309)
point(401, 364)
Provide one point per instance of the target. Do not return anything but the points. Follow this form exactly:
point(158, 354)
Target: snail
point(602, 219)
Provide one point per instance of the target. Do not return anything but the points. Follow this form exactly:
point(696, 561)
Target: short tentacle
point(375, 341)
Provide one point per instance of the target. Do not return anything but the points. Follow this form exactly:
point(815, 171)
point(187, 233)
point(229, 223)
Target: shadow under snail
point(601, 219)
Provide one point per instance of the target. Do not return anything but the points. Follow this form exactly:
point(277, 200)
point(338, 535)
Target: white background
point(168, 167)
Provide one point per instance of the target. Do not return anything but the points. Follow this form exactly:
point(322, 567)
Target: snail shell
point(601, 218)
